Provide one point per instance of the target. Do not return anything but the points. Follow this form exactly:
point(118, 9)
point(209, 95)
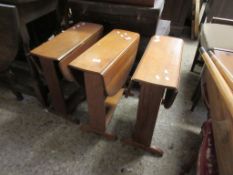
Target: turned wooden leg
point(96, 105)
point(148, 108)
point(57, 96)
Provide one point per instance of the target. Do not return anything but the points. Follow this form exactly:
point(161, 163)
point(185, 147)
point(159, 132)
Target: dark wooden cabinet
point(221, 9)
point(177, 11)
point(134, 18)
point(131, 2)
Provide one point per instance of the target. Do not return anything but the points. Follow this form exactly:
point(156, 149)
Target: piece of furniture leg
point(100, 109)
point(150, 98)
point(96, 105)
point(158, 74)
point(54, 86)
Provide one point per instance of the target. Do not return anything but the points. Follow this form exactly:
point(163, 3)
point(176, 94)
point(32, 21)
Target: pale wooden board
point(105, 52)
point(67, 41)
point(160, 64)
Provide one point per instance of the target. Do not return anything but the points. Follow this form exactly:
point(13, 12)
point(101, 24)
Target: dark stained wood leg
point(148, 108)
point(196, 96)
point(57, 96)
point(96, 106)
point(197, 56)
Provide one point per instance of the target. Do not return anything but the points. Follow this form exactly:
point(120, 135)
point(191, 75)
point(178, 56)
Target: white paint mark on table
point(128, 38)
point(166, 71)
point(167, 78)
point(157, 77)
point(157, 39)
point(96, 60)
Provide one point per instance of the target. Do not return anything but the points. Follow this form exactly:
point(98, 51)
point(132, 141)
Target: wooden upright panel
point(221, 9)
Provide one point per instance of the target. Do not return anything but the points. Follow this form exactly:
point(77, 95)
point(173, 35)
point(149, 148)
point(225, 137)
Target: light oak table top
point(67, 41)
point(105, 52)
point(111, 58)
point(160, 64)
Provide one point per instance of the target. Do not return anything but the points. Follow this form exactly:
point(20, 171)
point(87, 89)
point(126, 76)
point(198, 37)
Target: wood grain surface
point(67, 41)
point(160, 64)
point(112, 57)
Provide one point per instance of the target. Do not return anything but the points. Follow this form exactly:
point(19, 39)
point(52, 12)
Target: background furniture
point(37, 21)
point(178, 12)
point(218, 96)
point(149, 3)
point(134, 18)
point(221, 9)
point(9, 41)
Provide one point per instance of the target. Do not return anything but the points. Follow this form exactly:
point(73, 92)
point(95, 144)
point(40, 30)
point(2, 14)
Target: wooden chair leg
point(197, 56)
point(196, 96)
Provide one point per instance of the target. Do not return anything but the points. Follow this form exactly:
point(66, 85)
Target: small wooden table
point(106, 66)
point(158, 72)
point(60, 51)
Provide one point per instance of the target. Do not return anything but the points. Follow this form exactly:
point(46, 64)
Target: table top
point(64, 43)
point(224, 63)
point(226, 58)
point(105, 52)
point(160, 64)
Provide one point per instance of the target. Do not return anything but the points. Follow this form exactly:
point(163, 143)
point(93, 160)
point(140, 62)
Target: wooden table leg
point(96, 106)
point(148, 108)
point(57, 96)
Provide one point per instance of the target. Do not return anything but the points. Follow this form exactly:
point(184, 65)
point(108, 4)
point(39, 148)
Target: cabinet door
point(222, 9)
